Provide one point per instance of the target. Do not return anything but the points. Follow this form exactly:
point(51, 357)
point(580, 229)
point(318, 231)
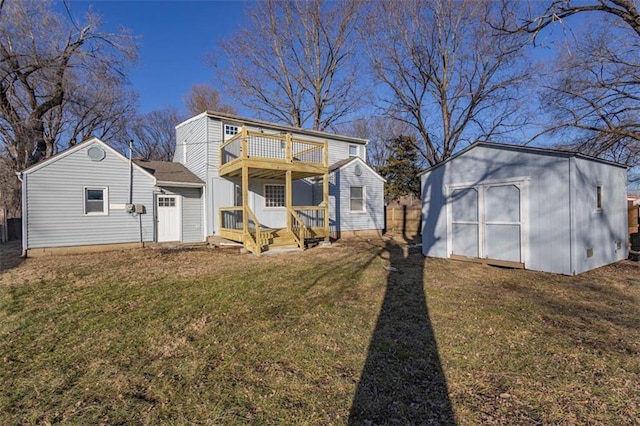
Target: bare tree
point(380, 130)
point(203, 97)
point(59, 82)
point(592, 94)
point(294, 61)
point(154, 134)
point(448, 74)
point(557, 10)
point(593, 97)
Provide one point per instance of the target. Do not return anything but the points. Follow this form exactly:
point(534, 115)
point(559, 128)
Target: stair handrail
point(297, 223)
point(255, 240)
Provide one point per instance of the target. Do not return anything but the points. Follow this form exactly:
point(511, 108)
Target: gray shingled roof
point(166, 171)
point(338, 164)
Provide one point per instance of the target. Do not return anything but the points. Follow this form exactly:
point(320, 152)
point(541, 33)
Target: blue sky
point(175, 36)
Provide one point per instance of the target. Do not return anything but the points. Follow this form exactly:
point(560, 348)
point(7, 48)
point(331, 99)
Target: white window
point(274, 195)
point(230, 130)
point(599, 197)
point(96, 201)
point(356, 199)
point(353, 150)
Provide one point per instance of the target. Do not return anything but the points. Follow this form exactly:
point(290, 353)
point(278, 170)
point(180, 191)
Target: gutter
point(23, 180)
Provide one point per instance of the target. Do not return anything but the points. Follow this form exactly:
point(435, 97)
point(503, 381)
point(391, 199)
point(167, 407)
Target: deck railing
point(248, 144)
point(232, 219)
point(311, 216)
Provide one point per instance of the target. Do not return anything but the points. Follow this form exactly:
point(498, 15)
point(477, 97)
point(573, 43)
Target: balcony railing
point(248, 144)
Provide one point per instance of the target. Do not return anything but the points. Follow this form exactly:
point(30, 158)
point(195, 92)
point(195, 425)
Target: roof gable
point(77, 148)
point(523, 148)
point(343, 163)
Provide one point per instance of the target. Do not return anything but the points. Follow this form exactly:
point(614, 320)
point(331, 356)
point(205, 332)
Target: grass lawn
point(328, 336)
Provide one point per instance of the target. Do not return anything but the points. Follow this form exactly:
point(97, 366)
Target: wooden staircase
point(280, 240)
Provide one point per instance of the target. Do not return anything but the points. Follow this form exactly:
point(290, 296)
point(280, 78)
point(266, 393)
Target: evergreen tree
point(401, 169)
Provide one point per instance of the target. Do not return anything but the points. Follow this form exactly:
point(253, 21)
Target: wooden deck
point(257, 155)
point(272, 156)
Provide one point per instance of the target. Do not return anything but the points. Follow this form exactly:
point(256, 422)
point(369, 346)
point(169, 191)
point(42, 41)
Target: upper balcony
point(270, 156)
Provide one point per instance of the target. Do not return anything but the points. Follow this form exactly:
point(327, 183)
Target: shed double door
point(486, 222)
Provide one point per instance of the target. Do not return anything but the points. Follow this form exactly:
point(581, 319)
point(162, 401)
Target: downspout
point(130, 171)
point(23, 181)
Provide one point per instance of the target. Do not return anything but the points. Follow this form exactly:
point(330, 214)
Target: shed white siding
point(551, 197)
point(600, 234)
point(55, 202)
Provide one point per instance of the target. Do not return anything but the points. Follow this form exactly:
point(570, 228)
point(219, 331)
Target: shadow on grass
point(402, 380)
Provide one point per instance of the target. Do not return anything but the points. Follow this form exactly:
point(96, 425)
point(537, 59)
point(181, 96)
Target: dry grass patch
point(328, 336)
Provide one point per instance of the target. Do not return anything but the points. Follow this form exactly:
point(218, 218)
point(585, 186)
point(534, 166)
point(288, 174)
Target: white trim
point(489, 182)
point(25, 212)
point(192, 119)
point(521, 183)
point(357, 154)
point(105, 200)
point(179, 184)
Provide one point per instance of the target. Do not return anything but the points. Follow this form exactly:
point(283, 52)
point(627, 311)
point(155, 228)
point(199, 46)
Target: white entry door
point(169, 218)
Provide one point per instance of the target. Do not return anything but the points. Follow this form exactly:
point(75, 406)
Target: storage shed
point(539, 209)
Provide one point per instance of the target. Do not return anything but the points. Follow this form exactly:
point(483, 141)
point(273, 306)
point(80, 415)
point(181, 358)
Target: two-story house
point(258, 183)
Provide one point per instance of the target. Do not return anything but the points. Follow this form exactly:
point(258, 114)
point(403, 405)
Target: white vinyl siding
point(55, 211)
point(341, 215)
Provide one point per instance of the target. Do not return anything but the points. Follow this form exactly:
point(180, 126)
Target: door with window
point(169, 218)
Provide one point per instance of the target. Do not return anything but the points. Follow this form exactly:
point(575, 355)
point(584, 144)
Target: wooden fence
point(406, 220)
point(10, 229)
